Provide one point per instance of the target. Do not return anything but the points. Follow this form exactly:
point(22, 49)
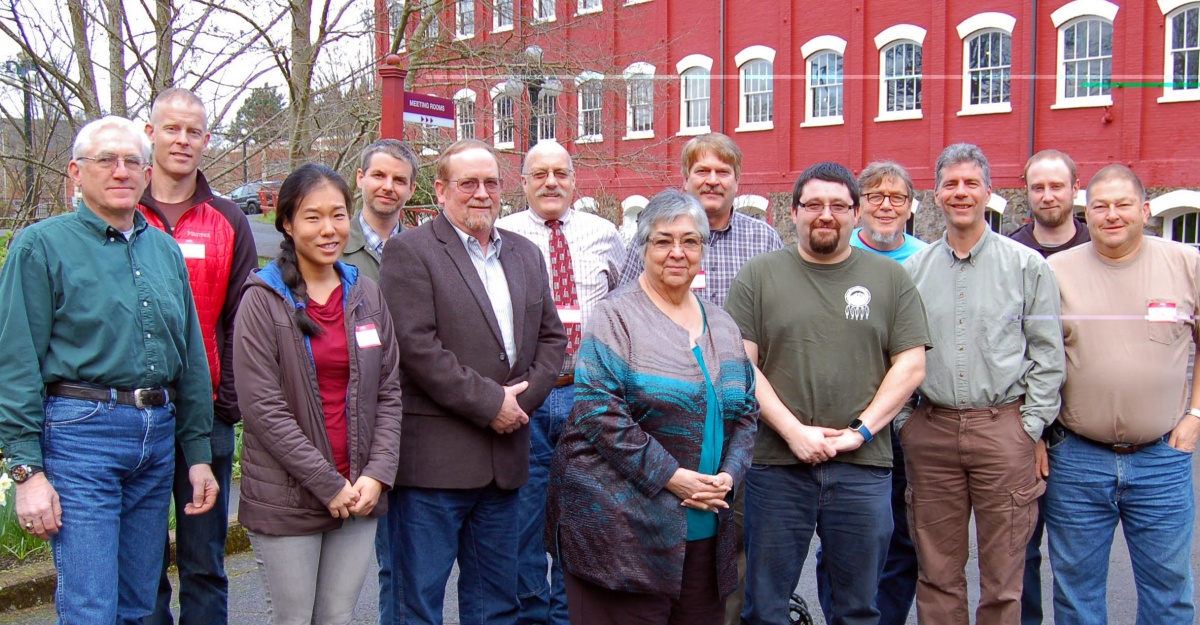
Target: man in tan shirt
point(1121, 449)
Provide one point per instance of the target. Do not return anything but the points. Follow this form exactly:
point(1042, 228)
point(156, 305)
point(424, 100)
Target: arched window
point(464, 113)
point(823, 59)
point(639, 101)
point(756, 79)
point(1181, 67)
point(1085, 49)
point(591, 107)
point(695, 80)
point(1180, 213)
point(503, 124)
point(987, 63)
point(900, 72)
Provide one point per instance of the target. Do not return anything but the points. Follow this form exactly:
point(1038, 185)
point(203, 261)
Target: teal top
point(82, 303)
point(702, 524)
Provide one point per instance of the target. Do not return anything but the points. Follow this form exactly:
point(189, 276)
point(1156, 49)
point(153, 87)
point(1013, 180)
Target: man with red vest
point(218, 247)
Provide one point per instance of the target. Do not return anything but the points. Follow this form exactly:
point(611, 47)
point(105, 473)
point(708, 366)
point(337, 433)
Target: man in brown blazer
point(481, 346)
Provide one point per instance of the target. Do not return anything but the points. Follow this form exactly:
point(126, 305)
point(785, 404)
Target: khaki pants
point(960, 461)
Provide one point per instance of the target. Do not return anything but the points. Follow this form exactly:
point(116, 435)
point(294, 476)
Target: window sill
point(1182, 95)
point(633, 2)
point(694, 131)
point(589, 11)
point(896, 116)
point(545, 20)
point(464, 37)
point(986, 109)
point(1082, 103)
point(502, 29)
point(590, 139)
point(505, 146)
point(755, 126)
point(639, 134)
point(818, 122)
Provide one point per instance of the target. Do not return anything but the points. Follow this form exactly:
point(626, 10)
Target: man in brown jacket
point(481, 346)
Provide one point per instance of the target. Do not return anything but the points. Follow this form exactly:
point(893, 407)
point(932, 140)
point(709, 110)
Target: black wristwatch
point(857, 426)
point(23, 472)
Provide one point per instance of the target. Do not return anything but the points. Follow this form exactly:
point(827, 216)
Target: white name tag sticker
point(570, 314)
point(192, 250)
point(1161, 311)
point(367, 336)
point(698, 283)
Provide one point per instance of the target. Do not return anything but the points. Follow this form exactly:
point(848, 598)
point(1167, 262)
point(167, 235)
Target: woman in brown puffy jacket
point(315, 365)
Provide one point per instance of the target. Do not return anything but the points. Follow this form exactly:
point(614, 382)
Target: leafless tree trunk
point(89, 99)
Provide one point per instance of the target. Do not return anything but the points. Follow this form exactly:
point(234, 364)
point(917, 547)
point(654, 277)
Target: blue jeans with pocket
point(112, 467)
point(199, 543)
point(542, 602)
point(848, 506)
point(1090, 490)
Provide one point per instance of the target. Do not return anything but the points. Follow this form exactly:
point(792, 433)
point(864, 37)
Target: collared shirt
point(374, 241)
point(993, 317)
point(596, 255)
point(728, 249)
point(491, 272)
point(83, 304)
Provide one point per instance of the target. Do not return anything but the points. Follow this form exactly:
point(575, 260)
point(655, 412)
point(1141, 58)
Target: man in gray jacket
point(386, 178)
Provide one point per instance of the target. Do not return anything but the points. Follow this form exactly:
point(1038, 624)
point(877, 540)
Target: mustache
point(549, 193)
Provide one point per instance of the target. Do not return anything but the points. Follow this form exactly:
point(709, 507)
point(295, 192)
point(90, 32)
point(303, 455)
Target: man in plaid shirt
point(712, 164)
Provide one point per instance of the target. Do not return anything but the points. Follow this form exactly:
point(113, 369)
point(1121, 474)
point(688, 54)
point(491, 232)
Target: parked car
point(247, 195)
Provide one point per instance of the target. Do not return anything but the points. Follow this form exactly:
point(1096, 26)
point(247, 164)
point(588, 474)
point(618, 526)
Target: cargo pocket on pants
point(1024, 514)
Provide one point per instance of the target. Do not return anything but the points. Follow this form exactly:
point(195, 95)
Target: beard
point(1053, 218)
point(822, 245)
point(477, 222)
point(883, 239)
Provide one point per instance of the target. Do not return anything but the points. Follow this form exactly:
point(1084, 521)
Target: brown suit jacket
point(452, 356)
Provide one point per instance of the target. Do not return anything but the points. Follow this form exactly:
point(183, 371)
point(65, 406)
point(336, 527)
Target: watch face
point(21, 472)
point(855, 424)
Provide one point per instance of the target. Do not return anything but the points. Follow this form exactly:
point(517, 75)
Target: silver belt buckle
point(137, 398)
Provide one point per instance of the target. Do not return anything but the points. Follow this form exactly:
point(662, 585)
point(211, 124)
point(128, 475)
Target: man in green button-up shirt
point(97, 306)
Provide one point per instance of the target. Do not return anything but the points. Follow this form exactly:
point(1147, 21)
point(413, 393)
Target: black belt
point(1117, 448)
point(139, 397)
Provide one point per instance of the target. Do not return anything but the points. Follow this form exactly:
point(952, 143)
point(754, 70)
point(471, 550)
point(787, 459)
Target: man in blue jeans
point(103, 369)
point(583, 254)
point(819, 466)
point(1121, 449)
point(218, 248)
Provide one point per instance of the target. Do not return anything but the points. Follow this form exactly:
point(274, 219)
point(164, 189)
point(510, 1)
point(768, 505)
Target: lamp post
point(531, 76)
point(23, 68)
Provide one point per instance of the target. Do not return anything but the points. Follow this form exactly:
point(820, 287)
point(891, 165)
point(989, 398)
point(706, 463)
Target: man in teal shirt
point(887, 205)
point(103, 366)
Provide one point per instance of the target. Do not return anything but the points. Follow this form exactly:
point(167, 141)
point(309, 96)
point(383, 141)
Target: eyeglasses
point(108, 162)
point(895, 199)
point(470, 185)
point(541, 175)
point(837, 208)
point(689, 243)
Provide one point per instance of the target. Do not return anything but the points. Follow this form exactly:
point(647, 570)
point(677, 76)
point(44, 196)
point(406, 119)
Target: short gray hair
point(877, 171)
point(665, 207)
point(84, 141)
point(963, 153)
point(394, 148)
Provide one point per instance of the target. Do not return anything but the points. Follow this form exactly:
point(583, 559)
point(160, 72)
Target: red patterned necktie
point(562, 281)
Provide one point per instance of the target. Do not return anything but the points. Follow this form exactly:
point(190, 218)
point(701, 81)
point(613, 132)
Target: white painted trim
point(589, 139)
point(1170, 205)
point(633, 2)
point(1095, 101)
point(693, 132)
point(633, 201)
point(1171, 94)
point(823, 121)
point(639, 134)
point(823, 42)
point(980, 21)
point(587, 76)
point(984, 109)
point(1183, 95)
point(639, 68)
point(1081, 8)
point(755, 126)
point(752, 201)
point(1166, 6)
point(1060, 79)
point(997, 203)
point(809, 120)
point(466, 93)
point(586, 204)
point(895, 33)
point(580, 80)
point(991, 107)
point(598, 8)
point(694, 60)
point(916, 206)
point(497, 91)
point(1081, 198)
point(754, 52)
point(896, 116)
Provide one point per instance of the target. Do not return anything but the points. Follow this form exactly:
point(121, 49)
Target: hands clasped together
point(699, 491)
point(357, 499)
point(814, 444)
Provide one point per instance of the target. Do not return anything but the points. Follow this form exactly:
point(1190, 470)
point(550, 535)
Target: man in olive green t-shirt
point(839, 336)
point(1122, 447)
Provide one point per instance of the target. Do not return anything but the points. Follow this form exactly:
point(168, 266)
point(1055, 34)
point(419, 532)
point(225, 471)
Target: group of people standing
point(670, 423)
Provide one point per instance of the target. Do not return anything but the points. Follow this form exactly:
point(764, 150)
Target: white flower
point(5, 483)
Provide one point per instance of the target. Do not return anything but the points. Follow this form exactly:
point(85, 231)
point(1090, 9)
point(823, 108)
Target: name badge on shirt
point(570, 314)
point(698, 283)
point(1161, 311)
point(192, 250)
point(367, 336)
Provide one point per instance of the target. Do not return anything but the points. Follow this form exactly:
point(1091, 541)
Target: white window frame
point(544, 118)
point(581, 82)
point(1170, 10)
point(544, 11)
point(809, 51)
point(634, 74)
point(497, 94)
point(1173, 205)
point(633, 2)
point(1068, 15)
point(465, 95)
point(498, 12)
point(884, 41)
point(582, 10)
point(459, 12)
point(686, 64)
point(741, 59)
point(971, 28)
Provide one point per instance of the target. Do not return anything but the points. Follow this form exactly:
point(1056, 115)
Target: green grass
point(16, 543)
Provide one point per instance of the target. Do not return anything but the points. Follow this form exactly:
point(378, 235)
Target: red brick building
point(796, 83)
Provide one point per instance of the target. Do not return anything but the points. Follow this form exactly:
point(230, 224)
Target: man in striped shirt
point(583, 255)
